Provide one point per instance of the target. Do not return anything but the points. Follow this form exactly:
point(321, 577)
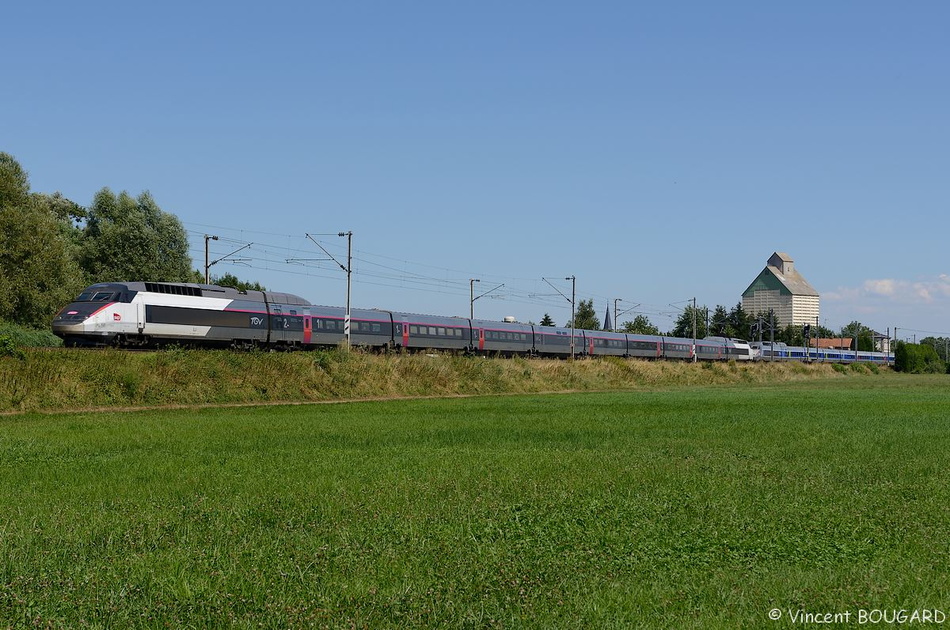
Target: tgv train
point(767, 351)
point(151, 314)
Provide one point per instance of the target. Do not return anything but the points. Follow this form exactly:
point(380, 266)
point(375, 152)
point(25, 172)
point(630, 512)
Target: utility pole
point(616, 323)
point(887, 351)
point(471, 297)
point(572, 299)
point(208, 265)
point(694, 330)
point(772, 333)
point(348, 268)
point(349, 283)
point(573, 314)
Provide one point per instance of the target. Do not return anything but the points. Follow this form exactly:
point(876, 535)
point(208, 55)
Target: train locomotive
point(155, 314)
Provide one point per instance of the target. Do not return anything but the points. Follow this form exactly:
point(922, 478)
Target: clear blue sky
point(656, 151)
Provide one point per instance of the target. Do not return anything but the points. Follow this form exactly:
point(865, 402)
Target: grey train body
point(146, 314)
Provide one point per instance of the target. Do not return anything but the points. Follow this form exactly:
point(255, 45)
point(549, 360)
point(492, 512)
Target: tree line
point(735, 323)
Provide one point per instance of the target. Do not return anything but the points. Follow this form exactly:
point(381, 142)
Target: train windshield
point(98, 296)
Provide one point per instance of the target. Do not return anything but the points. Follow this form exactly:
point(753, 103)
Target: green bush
point(9, 348)
point(917, 359)
point(29, 337)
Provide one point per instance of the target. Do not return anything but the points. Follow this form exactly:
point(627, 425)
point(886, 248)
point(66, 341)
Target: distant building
point(837, 343)
point(881, 343)
point(781, 288)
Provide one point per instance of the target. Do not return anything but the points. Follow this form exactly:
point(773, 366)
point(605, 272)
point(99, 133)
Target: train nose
point(70, 321)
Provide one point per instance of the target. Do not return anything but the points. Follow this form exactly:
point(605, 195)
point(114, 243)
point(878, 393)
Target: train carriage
point(644, 346)
point(675, 348)
point(368, 328)
point(506, 338)
point(553, 341)
point(605, 343)
point(430, 332)
point(710, 350)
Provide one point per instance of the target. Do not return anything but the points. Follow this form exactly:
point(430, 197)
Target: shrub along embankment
point(73, 379)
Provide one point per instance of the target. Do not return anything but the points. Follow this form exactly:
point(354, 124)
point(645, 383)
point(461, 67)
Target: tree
point(230, 280)
point(720, 324)
point(862, 335)
point(129, 238)
point(641, 325)
point(684, 324)
point(941, 345)
point(740, 322)
point(585, 318)
point(546, 320)
point(791, 334)
point(14, 183)
point(917, 359)
point(38, 271)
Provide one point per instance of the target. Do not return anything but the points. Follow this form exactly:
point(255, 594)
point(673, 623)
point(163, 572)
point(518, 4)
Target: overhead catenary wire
point(380, 270)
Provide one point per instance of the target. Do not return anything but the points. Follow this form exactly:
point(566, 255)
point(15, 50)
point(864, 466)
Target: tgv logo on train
point(151, 314)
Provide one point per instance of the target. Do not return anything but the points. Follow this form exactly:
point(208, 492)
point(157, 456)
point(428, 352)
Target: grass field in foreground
point(681, 508)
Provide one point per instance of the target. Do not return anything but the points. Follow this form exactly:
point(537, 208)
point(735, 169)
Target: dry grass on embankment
point(59, 380)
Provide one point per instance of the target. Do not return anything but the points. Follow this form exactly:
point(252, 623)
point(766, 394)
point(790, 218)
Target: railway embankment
point(54, 380)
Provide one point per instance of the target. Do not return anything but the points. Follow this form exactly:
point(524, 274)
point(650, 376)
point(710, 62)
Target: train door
point(140, 317)
point(307, 327)
point(277, 323)
point(481, 339)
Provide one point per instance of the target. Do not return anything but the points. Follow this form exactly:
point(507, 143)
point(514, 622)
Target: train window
point(96, 296)
point(441, 332)
point(414, 330)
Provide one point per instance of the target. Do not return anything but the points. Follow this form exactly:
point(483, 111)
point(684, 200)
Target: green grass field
point(684, 507)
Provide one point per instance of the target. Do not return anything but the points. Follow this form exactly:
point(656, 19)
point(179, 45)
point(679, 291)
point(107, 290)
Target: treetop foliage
point(14, 183)
point(128, 238)
point(917, 359)
point(585, 317)
point(230, 280)
point(641, 325)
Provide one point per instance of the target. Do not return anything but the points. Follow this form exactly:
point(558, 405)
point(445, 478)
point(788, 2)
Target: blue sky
point(656, 151)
